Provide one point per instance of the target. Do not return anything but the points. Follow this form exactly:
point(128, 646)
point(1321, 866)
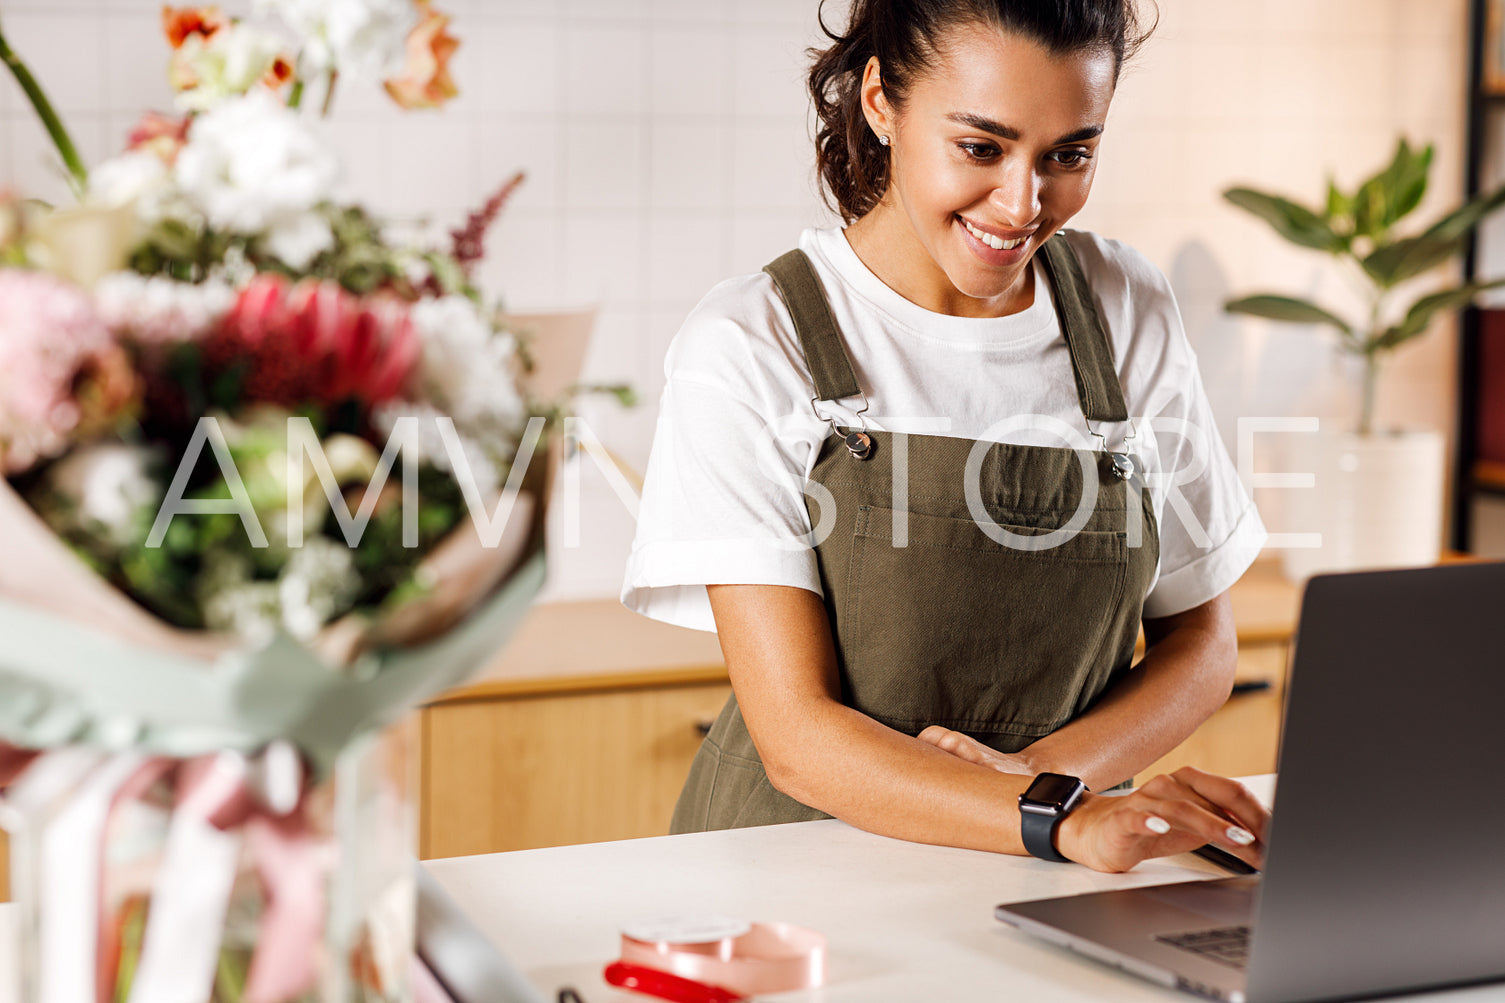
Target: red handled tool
point(666, 985)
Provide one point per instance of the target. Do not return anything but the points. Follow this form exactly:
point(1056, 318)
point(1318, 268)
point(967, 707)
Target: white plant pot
point(1377, 502)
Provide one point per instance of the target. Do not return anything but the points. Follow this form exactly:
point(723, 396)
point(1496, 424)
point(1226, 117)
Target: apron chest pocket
point(956, 629)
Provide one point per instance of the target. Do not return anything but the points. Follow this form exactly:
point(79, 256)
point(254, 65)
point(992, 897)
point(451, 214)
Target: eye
point(1071, 158)
point(978, 151)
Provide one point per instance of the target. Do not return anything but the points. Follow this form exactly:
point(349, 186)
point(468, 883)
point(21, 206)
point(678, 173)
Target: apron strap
point(1097, 386)
point(820, 339)
point(1098, 389)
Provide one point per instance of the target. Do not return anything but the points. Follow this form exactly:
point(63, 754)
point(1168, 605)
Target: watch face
point(1052, 791)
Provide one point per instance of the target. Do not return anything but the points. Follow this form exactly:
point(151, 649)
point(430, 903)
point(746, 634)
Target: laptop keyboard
point(1228, 945)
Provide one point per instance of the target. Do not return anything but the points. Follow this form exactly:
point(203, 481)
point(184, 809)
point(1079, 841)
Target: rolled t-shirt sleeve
point(1210, 531)
point(723, 504)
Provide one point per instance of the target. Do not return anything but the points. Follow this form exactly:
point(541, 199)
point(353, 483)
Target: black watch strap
point(1039, 834)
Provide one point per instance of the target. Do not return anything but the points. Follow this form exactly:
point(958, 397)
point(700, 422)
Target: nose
point(1016, 194)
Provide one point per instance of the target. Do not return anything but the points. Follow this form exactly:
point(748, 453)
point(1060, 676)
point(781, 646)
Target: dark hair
point(903, 34)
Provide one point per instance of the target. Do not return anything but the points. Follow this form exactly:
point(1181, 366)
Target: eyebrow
point(1012, 135)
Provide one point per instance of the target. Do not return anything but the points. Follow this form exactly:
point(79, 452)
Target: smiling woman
point(875, 474)
point(993, 152)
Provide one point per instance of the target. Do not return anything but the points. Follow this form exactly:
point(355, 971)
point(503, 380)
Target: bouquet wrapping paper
point(213, 821)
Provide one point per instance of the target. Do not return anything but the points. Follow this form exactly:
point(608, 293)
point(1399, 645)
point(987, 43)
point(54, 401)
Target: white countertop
point(906, 923)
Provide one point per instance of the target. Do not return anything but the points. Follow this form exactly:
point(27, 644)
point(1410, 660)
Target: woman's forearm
point(886, 782)
point(835, 758)
point(1185, 676)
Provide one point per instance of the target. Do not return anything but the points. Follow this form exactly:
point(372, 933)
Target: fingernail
point(1156, 824)
point(1243, 837)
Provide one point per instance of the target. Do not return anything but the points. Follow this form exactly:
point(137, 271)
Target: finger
point(1220, 796)
point(1198, 825)
point(959, 745)
point(1133, 834)
point(934, 734)
point(1230, 797)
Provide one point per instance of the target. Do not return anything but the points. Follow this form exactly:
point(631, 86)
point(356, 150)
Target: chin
point(986, 286)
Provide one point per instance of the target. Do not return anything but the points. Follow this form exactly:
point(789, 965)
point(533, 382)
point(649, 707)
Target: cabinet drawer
point(515, 773)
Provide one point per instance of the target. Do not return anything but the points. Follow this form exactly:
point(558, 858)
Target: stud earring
point(883, 140)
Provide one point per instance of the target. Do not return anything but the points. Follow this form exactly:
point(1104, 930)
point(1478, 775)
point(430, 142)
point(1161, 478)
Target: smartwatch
point(1049, 799)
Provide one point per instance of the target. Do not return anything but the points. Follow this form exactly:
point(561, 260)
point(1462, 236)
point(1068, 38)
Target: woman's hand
point(968, 748)
point(1170, 814)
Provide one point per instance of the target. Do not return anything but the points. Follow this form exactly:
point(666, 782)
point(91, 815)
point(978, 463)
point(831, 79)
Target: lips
point(993, 248)
point(994, 237)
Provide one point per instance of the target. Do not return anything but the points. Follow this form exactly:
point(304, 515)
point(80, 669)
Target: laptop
point(1385, 862)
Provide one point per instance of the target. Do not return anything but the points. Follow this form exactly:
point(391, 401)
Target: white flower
point(159, 310)
point(467, 367)
point(252, 166)
point(233, 602)
point(106, 487)
point(139, 176)
point(143, 179)
point(361, 38)
point(318, 583)
point(434, 450)
point(231, 61)
point(299, 239)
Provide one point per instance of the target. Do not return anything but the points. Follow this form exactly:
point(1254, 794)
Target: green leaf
point(1338, 204)
point(447, 272)
point(1391, 264)
point(1419, 317)
point(1461, 221)
point(1393, 192)
point(1294, 222)
point(1409, 182)
point(1289, 310)
point(1369, 209)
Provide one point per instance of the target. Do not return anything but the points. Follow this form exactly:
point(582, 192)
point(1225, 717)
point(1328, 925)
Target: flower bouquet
point(269, 481)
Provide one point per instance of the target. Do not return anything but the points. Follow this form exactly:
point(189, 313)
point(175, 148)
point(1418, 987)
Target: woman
point(927, 599)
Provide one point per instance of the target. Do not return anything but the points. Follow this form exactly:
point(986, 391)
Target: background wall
point(667, 146)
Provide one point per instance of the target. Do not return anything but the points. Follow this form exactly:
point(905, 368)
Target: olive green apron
point(1005, 637)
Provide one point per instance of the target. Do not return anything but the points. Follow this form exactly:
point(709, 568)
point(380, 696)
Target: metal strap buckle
point(1123, 461)
point(858, 443)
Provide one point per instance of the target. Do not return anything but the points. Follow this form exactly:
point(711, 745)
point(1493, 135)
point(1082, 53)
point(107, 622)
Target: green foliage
point(1293, 221)
point(359, 259)
point(1289, 309)
point(1358, 227)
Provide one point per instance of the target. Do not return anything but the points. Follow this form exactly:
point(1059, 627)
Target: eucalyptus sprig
point(1358, 229)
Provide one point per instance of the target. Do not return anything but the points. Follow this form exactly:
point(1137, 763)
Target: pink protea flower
point(61, 372)
point(312, 341)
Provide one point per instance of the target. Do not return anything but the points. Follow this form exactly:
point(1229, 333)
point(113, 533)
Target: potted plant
point(1378, 499)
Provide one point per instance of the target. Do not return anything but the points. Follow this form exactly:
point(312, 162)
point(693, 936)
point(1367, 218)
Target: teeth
point(997, 243)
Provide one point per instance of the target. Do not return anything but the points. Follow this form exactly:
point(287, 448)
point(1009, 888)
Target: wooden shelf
point(1489, 475)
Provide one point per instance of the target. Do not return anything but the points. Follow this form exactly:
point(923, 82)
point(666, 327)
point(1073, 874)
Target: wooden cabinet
point(581, 731)
point(545, 769)
point(585, 727)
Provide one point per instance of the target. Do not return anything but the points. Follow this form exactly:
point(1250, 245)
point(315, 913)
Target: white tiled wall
point(666, 145)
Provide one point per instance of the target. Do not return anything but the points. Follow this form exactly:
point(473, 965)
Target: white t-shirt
point(737, 437)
